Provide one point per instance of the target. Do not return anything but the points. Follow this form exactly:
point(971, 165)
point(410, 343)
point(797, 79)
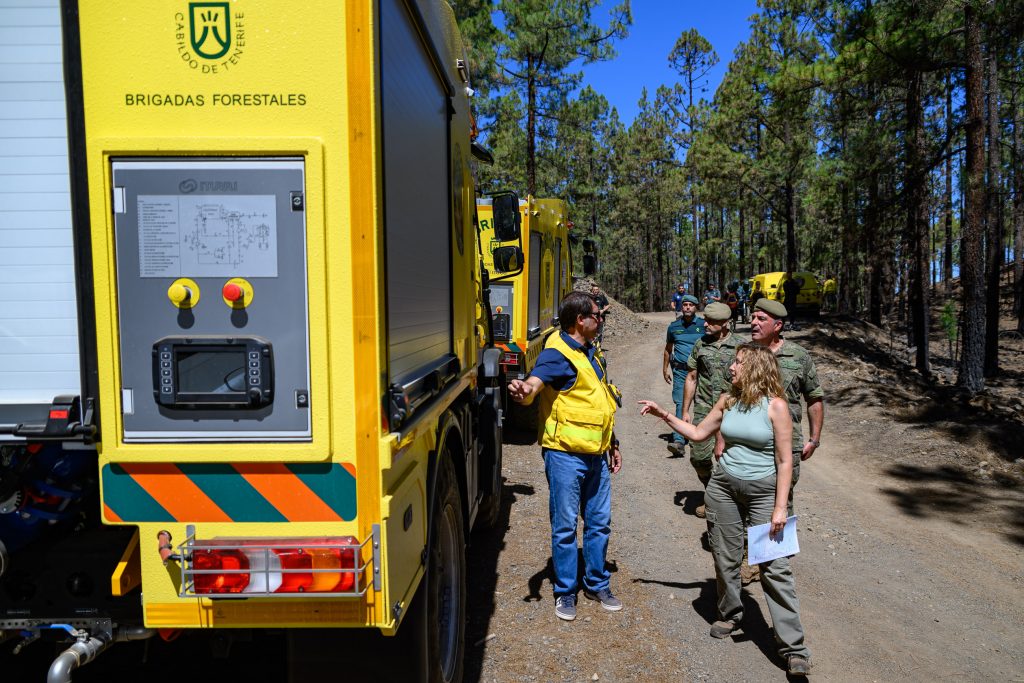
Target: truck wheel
point(446, 580)
point(490, 444)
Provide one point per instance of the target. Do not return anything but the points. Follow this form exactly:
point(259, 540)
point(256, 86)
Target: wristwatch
point(615, 443)
point(816, 443)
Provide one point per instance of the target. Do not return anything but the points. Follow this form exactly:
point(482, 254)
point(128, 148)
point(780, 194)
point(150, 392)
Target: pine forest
point(876, 142)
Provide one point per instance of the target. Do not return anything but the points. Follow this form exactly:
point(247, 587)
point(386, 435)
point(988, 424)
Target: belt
point(676, 364)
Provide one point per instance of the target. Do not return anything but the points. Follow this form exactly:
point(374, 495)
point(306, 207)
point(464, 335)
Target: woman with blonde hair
point(750, 481)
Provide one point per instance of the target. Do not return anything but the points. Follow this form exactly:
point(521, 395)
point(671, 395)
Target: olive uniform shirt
point(799, 378)
point(711, 360)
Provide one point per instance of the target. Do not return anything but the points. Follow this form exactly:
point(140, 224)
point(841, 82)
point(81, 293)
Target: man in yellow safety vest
point(576, 422)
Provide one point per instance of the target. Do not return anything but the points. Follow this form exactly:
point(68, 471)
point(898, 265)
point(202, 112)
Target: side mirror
point(507, 259)
point(506, 217)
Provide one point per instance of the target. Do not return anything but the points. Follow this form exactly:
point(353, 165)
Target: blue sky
point(642, 59)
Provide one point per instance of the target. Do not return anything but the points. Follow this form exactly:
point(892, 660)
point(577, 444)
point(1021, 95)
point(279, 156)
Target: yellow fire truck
point(526, 290)
point(279, 405)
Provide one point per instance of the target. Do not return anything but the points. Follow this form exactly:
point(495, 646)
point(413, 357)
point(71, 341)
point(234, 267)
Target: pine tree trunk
point(1018, 216)
point(743, 244)
point(531, 131)
point(994, 241)
point(876, 265)
point(947, 252)
point(972, 258)
point(917, 224)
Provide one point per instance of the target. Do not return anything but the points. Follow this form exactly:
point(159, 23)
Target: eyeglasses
point(596, 315)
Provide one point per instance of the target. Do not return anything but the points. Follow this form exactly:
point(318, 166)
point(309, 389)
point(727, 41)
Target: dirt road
point(903, 573)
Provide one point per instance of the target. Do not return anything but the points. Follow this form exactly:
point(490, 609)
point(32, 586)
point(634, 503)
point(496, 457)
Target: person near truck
point(790, 291)
point(830, 290)
point(799, 380)
point(682, 334)
point(677, 300)
point(711, 294)
point(603, 305)
point(707, 379)
point(579, 457)
point(732, 300)
point(751, 482)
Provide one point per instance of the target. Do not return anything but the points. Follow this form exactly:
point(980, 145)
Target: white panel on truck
point(533, 302)
point(416, 211)
point(38, 316)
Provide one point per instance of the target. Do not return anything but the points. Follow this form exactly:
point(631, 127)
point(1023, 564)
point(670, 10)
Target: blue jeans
point(678, 386)
point(579, 484)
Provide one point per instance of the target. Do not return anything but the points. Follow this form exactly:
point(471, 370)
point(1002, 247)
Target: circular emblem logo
point(209, 38)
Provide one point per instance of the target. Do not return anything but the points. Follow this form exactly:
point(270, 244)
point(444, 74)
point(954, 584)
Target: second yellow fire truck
point(526, 292)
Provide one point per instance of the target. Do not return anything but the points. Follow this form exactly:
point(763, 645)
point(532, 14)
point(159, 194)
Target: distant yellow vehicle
point(525, 293)
point(525, 301)
point(808, 301)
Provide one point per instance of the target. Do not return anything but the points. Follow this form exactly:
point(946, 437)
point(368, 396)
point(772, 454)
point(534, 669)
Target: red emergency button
point(237, 293)
point(233, 292)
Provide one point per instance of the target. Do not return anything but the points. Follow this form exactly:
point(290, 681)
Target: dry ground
point(912, 549)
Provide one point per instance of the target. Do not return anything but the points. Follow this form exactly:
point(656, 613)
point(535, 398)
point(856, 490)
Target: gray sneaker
point(565, 607)
point(608, 601)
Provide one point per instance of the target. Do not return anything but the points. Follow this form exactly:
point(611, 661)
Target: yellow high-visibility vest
point(579, 419)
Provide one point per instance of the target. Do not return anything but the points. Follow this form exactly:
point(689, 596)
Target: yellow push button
point(183, 293)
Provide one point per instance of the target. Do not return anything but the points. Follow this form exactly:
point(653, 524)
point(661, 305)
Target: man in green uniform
point(799, 379)
point(707, 378)
point(682, 334)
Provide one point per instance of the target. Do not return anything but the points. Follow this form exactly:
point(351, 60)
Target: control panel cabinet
point(212, 299)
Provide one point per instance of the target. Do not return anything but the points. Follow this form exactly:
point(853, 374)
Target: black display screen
point(211, 370)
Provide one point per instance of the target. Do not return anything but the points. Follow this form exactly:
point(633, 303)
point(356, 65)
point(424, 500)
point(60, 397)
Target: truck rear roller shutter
point(416, 210)
point(39, 348)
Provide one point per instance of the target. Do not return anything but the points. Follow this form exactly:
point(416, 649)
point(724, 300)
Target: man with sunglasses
point(576, 418)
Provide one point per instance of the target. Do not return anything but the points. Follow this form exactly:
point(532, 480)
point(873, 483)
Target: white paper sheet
point(763, 548)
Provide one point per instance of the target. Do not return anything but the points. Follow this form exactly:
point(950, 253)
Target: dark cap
point(717, 311)
point(771, 307)
point(690, 299)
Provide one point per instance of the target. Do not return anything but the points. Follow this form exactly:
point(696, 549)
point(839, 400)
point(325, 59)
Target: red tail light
point(279, 566)
point(323, 575)
point(227, 565)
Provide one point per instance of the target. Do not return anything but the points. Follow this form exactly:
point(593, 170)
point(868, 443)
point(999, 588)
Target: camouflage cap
point(717, 311)
point(690, 299)
point(771, 307)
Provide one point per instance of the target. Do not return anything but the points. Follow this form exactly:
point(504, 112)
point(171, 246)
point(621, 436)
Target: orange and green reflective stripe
point(207, 492)
point(286, 492)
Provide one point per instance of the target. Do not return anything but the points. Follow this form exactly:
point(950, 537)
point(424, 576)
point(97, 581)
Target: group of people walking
point(737, 402)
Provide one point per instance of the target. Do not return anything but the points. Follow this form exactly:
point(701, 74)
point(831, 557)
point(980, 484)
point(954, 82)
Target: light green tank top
point(749, 442)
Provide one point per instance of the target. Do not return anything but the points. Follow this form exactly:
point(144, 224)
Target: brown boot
point(701, 511)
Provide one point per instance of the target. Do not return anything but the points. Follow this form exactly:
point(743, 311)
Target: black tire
point(446, 580)
point(490, 447)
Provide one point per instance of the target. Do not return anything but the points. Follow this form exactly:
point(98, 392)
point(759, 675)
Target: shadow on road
point(755, 627)
point(706, 602)
point(689, 500)
point(956, 495)
point(482, 560)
